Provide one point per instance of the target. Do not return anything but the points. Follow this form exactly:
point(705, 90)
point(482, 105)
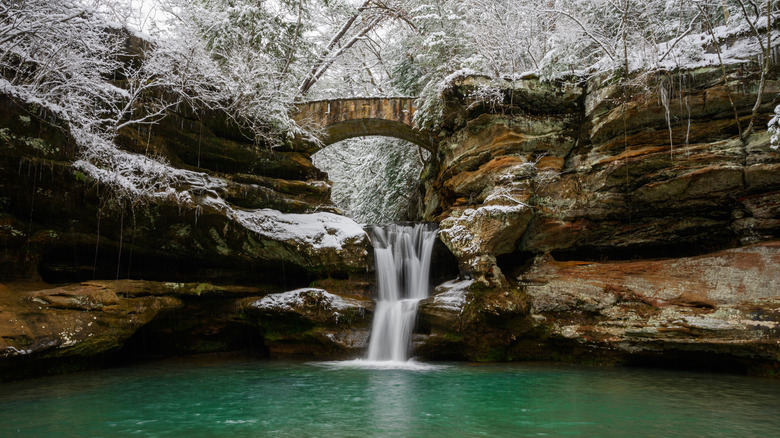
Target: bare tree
point(368, 17)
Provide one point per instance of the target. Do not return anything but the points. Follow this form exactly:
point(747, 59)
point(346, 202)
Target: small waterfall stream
point(403, 264)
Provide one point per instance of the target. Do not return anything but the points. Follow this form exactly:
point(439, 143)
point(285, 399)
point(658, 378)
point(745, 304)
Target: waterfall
point(403, 262)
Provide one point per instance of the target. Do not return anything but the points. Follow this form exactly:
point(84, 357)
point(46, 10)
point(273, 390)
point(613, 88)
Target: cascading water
point(403, 263)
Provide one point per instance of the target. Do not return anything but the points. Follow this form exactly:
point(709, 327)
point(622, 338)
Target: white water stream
point(403, 264)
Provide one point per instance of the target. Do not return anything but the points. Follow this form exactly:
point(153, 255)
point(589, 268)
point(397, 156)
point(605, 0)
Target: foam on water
point(406, 365)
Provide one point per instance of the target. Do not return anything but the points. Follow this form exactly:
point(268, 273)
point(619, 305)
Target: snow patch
point(460, 230)
point(454, 298)
point(318, 230)
point(13, 351)
point(291, 300)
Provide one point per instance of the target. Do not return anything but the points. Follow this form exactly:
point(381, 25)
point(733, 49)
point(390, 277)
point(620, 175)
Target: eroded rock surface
point(720, 311)
point(603, 175)
point(90, 324)
point(84, 325)
point(240, 221)
point(313, 322)
point(593, 229)
point(725, 303)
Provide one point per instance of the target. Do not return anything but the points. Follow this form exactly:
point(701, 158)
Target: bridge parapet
point(340, 119)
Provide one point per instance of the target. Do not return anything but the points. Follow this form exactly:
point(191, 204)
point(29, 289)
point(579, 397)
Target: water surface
point(257, 398)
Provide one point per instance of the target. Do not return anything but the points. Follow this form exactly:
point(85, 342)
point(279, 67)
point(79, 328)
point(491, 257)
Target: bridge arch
point(340, 119)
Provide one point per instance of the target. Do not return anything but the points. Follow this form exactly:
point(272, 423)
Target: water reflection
point(351, 400)
point(391, 402)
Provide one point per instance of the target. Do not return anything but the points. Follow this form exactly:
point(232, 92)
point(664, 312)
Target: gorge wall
point(590, 222)
point(609, 222)
point(90, 278)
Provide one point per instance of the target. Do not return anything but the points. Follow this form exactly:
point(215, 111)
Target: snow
point(372, 177)
point(294, 299)
point(459, 230)
point(774, 129)
point(454, 299)
point(13, 351)
point(318, 230)
point(735, 47)
point(137, 177)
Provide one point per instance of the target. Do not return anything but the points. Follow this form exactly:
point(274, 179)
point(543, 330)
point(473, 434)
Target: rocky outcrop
point(249, 217)
point(313, 323)
point(715, 311)
point(46, 329)
point(85, 325)
point(228, 224)
point(722, 306)
point(465, 320)
point(592, 218)
point(607, 171)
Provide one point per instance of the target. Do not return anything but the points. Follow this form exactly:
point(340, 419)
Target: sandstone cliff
point(595, 220)
point(591, 221)
point(89, 277)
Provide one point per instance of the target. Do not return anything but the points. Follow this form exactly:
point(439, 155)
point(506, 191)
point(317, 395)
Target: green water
point(236, 398)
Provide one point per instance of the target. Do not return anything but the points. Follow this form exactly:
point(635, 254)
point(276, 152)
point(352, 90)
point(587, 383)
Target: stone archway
point(341, 119)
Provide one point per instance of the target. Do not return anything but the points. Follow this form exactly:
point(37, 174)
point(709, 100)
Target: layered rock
point(606, 170)
point(714, 311)
point(99, 322)
point(238, 215)
point(590, 217)
point(222, 226)
point(722, 306)
point(78, 326)
point(313, 323)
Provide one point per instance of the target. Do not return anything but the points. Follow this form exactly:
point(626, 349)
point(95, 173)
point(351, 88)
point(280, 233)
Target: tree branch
point(584, 29)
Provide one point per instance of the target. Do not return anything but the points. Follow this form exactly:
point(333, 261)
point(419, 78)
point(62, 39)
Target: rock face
point(722, 306)
point(256, 220)
point(99, 322)
point(601, 175)
point(591, 222)
point(313, 323)
point(82, 325)
point(592, 218)
point(234, 222)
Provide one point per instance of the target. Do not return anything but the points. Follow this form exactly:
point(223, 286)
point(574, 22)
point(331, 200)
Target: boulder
point(313, 323)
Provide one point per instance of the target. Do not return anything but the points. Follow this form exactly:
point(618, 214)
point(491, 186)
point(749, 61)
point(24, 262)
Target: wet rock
point(616, 194)
point(465, 320)
point(55, 329)
point(446, 304)
point(725, 303)
point(312, 322)
point(475, 236)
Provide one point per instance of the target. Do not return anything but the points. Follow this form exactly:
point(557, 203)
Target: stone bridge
point(340, 119)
